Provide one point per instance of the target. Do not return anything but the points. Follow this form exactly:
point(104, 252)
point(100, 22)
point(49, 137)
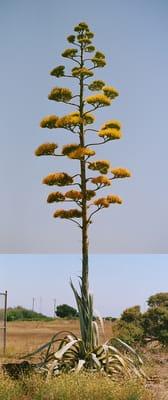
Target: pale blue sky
point(133, 35)
point(117, 281)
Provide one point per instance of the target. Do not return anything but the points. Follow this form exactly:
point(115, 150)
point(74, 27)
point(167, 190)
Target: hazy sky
point(117, 281)
point(133, 35)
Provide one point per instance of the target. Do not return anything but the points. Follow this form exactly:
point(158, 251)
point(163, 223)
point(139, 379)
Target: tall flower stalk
point(86, 60)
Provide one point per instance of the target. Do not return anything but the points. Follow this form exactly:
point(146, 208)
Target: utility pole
point(33, 303)
point(54, 308)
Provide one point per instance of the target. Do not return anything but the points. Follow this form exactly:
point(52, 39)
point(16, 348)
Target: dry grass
point(25, 336)
point(68, 387)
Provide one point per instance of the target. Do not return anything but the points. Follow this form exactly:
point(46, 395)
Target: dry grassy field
point(25, 336)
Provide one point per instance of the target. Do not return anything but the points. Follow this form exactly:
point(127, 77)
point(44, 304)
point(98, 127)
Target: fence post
point(5, 321)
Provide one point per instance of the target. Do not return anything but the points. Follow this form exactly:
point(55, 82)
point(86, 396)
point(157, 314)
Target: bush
point(132, 314)
point(130, 333)
point(22, 314)
point(155, 323)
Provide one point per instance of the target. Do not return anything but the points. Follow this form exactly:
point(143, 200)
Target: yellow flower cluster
point(111, 130)
point(58, 71)
point(46, 149)
point(69, 53)
point(106, 201)
point(101, 180)
point(68, 214)
point(96, 85)
point(82, 26)
point(60, 94)
point(49, 122)
point(89, 49)
point(99, 59)
point(58, 178)
point(98, 100)
point(110, 133)
point(112, 198)
point(110, 92)
point(102, 166)
point(68, 148)
point(69, 121)
point(81, 152)
point(102, 202)
point(55, 197)
point(76, 151)
point(73, 119)
point(113, 124)
point(121, 172)
point(74, 195)
point(84, 72)
point(88, 119)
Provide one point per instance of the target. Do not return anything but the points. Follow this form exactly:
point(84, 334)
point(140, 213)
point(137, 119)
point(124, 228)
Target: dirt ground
point(25, 337)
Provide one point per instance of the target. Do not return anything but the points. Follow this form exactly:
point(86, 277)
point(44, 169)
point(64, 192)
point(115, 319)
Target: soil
point(158, 382)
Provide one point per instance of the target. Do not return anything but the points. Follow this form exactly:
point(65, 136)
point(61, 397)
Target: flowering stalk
point(77, 123)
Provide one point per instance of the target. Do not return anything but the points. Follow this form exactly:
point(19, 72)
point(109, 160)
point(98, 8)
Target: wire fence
point(3, 321)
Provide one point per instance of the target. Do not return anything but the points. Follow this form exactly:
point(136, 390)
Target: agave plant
point(66, 352)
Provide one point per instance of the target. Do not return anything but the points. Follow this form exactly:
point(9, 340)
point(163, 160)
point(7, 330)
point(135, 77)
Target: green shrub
point(155, 323)
point(132, 314)
point(22, 314)
point(130, 333)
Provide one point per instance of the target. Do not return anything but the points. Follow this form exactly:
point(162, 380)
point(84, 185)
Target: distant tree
point(132, 314)
point(158, 299)
point(64, 310)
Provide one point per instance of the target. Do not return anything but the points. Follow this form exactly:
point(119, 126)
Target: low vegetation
point(67, 387)
point(22, 314)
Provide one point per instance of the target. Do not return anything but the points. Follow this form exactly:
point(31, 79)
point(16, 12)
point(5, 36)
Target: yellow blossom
point(84, 72)
point(71, 38)
point(110, 92)
point(102, 202)
point(58, 178)
point(110, 133)
point(89, 49)
point(101, 180)
point(68, 214)
point(60, 94)
point(98, 100)
point(96, 85)
point(121, 172)
point(113, 124)
point(68, 148)
point(74, 195)
point(69, 121)
point(49, 122)
point(69, 53)
point(88, 119)
point(55, 197)
point(102, 166)
point(58, 71)
point(46, 149)
point(81, 152)
point(112, 198)
point(76, 151)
